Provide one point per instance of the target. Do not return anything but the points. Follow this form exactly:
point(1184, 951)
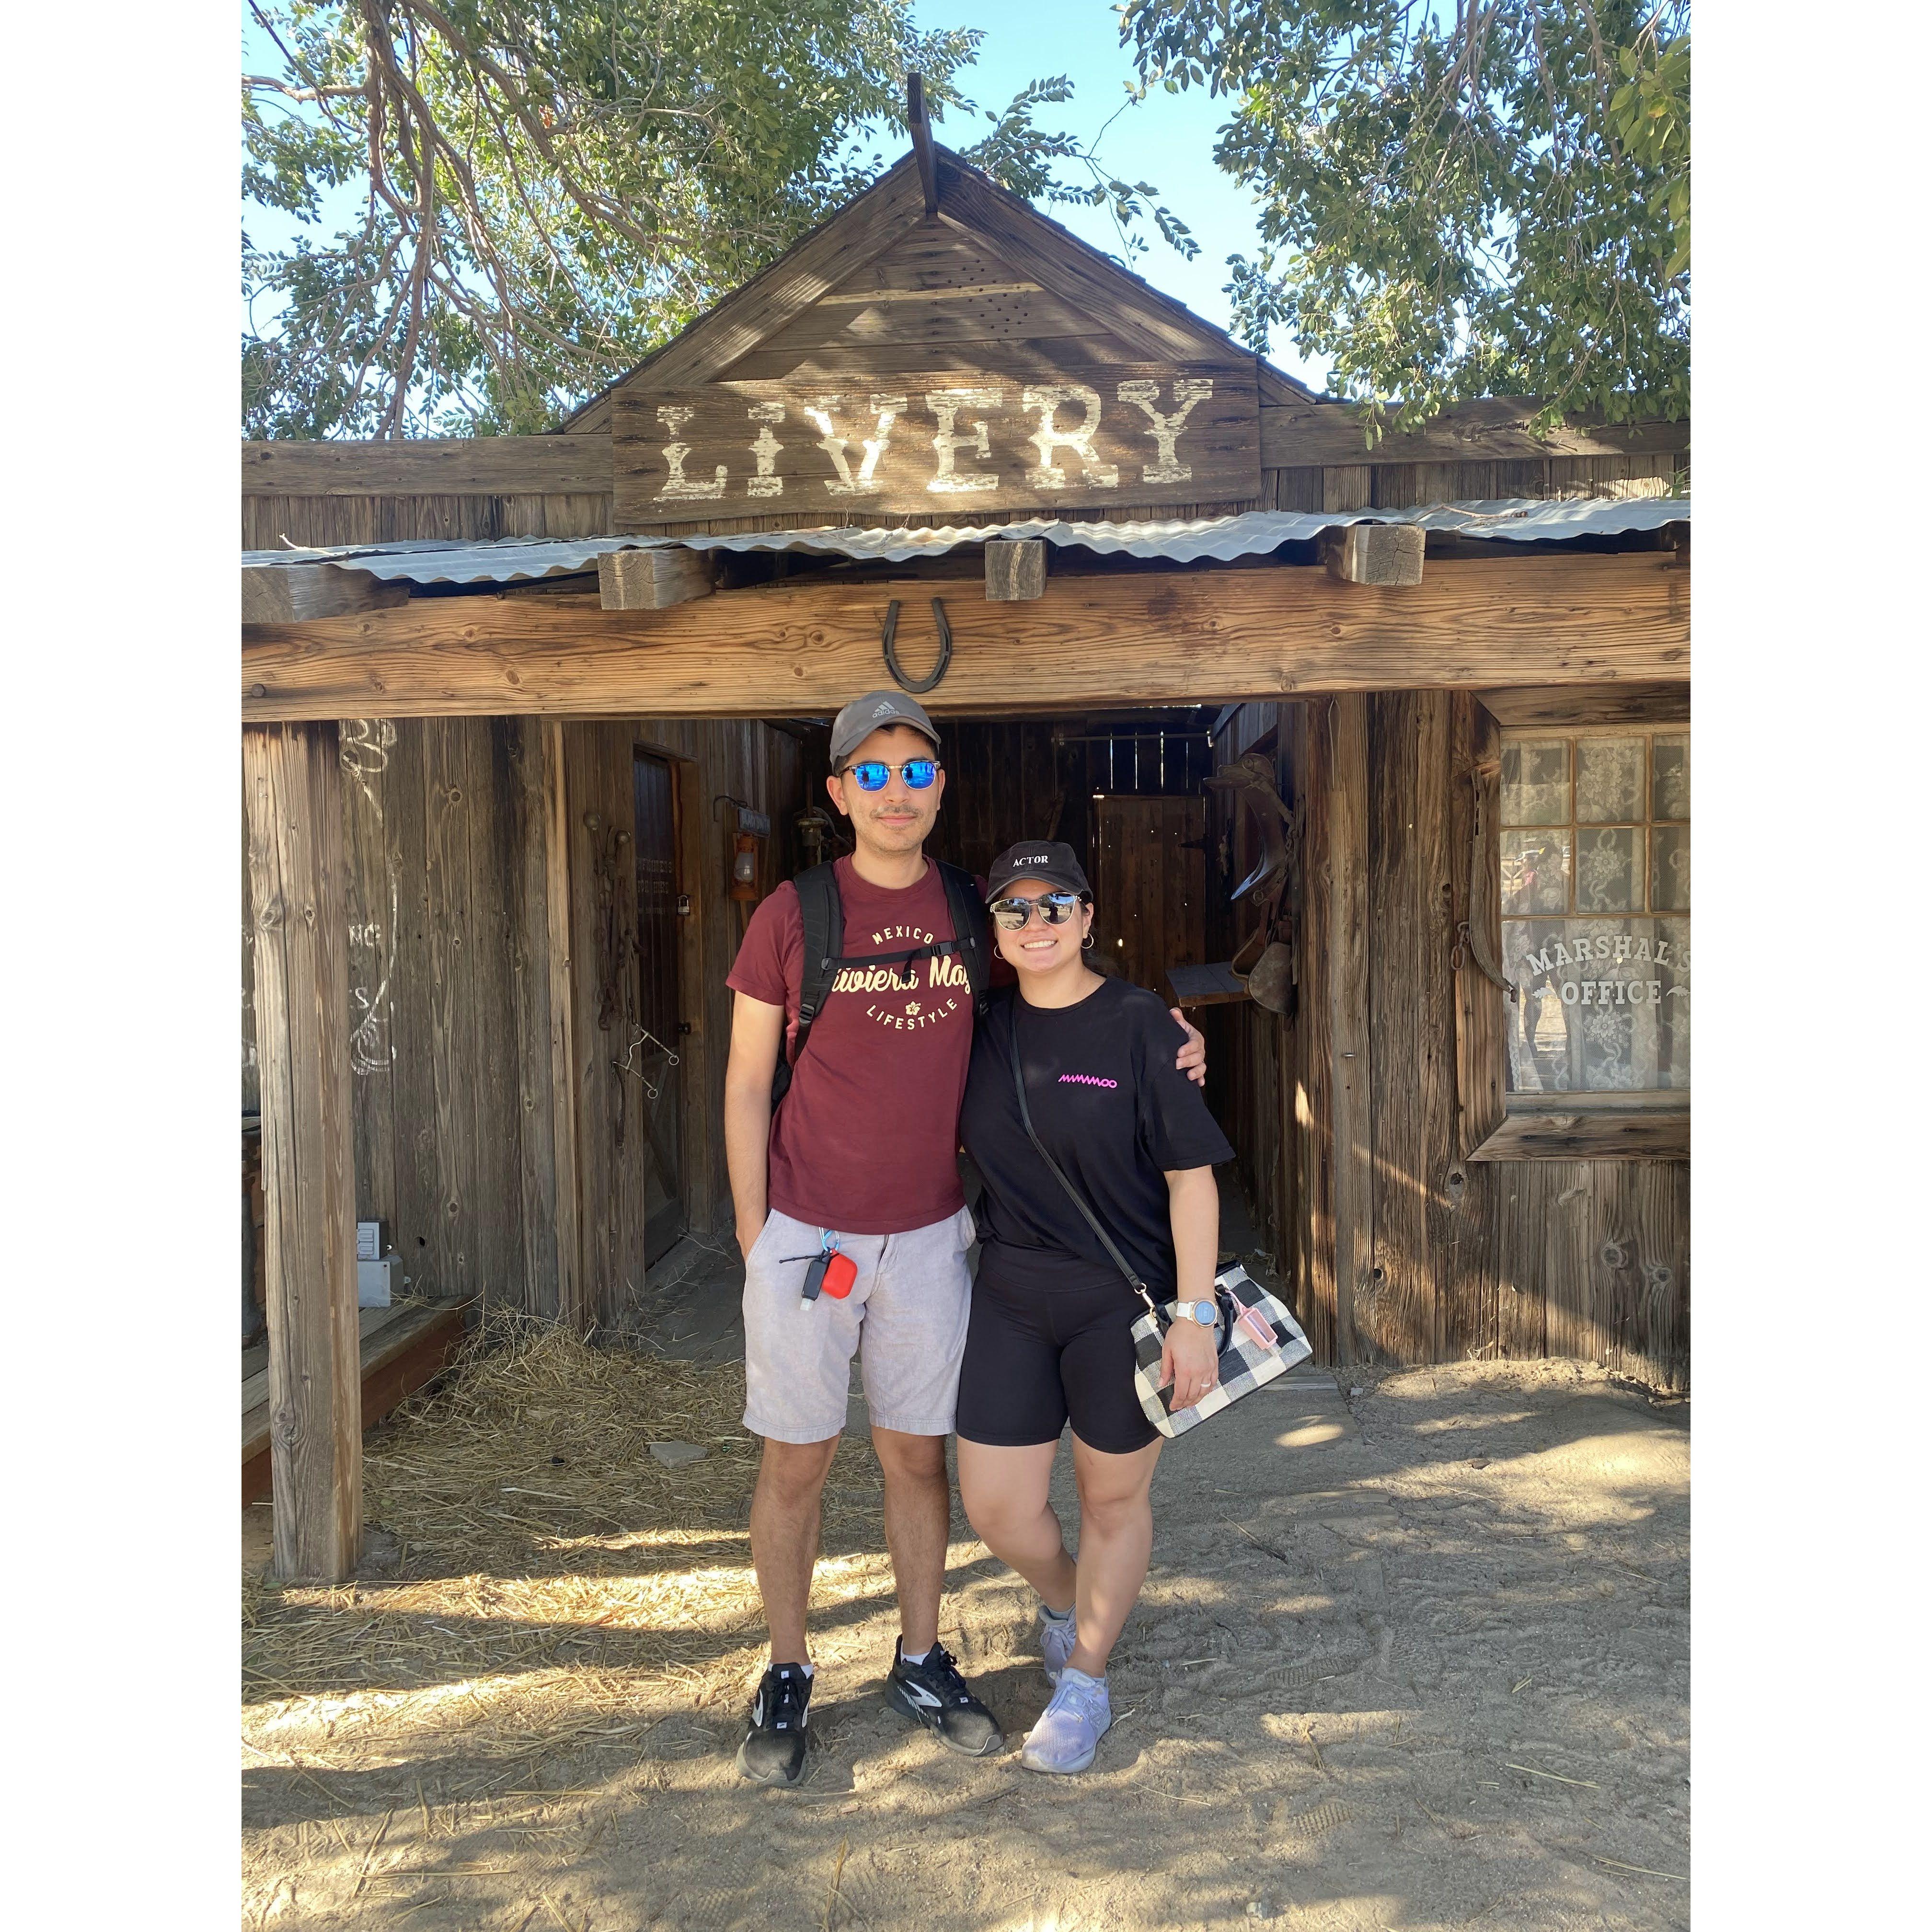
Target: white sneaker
point(1057, 1639)
point(1071, 1727)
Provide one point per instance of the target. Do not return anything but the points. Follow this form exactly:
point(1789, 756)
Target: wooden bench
point(403, 1348)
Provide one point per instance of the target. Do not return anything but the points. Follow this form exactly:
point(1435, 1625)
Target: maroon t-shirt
point(866, 1139)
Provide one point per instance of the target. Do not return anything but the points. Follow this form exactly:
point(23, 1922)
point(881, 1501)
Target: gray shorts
point(905, 1319)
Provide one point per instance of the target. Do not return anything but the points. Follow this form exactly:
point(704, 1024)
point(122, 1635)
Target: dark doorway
point(659, 1089)
point(1150, 875)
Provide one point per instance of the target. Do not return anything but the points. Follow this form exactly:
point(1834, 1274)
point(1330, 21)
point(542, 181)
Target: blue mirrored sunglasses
point(873, 774)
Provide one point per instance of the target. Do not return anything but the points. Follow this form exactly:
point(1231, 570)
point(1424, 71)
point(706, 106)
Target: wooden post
point(921, 130)
point(651, 580)
point(295, 870)
point(1385, 554)
point(1015, 569)
point(292, 593)
point(563, 1029)
point(1348, 996)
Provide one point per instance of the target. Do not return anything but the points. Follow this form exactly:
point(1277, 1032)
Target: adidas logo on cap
point(884, 710)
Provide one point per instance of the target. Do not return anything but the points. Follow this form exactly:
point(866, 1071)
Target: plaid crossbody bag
point(1256, 1337)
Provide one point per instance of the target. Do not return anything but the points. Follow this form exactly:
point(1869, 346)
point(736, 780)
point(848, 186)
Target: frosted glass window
point(1595, 852)
point(1536, 781)
point(1609, 780)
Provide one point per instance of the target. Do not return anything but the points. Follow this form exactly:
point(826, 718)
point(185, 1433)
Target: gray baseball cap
point(1046, 858)
point(875, 711)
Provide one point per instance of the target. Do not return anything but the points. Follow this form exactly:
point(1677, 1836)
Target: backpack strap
point(969, 932)
point(822, 918)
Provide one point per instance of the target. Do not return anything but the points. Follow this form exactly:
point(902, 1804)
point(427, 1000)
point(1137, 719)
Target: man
point(861, 1161)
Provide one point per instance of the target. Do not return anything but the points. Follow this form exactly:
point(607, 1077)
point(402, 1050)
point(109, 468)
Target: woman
point(1050, 1339)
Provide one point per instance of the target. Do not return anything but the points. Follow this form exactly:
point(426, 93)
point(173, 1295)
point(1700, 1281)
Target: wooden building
point(530, 723)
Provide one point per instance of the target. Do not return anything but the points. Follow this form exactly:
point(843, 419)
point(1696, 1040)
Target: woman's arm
point(1194, 1211)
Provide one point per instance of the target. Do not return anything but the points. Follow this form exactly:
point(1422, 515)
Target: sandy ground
point(1414, 1653)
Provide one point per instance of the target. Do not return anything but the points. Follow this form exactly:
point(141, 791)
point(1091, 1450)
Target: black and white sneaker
point(932, 1692)
point(773, 1752)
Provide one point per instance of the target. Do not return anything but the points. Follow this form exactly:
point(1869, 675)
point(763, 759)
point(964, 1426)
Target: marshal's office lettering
point(1594, 867)
point(1137, 434)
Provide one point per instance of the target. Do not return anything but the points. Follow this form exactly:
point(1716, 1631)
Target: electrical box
point(374, 1280)
point(368, 1241)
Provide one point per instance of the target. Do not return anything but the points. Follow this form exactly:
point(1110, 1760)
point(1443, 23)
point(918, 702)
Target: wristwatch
point(1202, 1312)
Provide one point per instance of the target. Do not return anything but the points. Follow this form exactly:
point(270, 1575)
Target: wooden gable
point(977, 362)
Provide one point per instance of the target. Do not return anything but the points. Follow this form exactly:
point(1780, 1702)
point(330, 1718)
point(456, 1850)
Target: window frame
point(1646, 1124)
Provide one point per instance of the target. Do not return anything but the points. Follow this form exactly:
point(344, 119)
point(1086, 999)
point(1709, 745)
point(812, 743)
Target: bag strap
point(969, 932)
point(822, 917)
point(1073, 1193)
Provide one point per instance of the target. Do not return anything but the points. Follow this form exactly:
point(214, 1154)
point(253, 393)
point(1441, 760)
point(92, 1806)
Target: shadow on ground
point(1413, 1656)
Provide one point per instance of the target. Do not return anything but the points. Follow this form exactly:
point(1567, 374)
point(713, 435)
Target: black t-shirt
point(1109, 1105)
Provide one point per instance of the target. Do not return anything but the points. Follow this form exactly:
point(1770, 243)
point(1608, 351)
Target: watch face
point(1203, 1313)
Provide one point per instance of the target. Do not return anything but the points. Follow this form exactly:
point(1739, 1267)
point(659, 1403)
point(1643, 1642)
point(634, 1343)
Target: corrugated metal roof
point(513, 560)
point(1255, 533)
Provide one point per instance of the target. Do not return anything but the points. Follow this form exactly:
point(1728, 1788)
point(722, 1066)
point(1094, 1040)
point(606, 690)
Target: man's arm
point(1191, 1060)
point(757, 1029)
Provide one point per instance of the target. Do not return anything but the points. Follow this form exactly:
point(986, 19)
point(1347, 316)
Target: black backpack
point(823, 917)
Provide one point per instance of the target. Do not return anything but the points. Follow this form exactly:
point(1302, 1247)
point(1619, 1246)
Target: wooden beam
point(1595, 1134)
point(922, 142)
point(1155, 637)
point(1346, 884)
point(295, 867)
point(1559, 706)
point(1298, 434)
point(1482, 1017)
point(651, 580)
point(1381, 553)
point(700, 1123)
point(293, 593)
point(570, 1292)
point(462, 465)
point(1015, 569)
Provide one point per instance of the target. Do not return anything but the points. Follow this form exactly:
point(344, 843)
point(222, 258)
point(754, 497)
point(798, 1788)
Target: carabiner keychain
point(831, 1272)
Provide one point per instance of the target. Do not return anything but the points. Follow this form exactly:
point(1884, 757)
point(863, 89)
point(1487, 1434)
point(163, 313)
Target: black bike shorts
point(1049, 1341)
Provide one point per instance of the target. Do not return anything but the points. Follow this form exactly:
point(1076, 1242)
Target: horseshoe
point(917, 686)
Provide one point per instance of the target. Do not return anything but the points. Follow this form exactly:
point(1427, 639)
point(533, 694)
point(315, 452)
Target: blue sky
point(1167, 139)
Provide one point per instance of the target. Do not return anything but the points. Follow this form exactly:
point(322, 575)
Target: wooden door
point(657, 1087)
point(1149, 879)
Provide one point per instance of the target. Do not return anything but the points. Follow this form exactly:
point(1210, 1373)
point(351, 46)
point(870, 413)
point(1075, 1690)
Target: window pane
point(1595, 863)
point(1604, 1005)
point(1536, 781)
point(1609, 780)
point(1536, 871)
point(1670, 868)
point(1610, 876)
point(1670, 777)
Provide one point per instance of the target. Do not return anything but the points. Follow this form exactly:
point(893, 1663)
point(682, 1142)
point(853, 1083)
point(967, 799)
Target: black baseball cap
point(1046, 858)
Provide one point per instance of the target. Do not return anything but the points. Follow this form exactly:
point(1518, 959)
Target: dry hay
point(558, 1588)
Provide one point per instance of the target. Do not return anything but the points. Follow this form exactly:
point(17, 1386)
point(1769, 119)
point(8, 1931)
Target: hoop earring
point(1087, 944)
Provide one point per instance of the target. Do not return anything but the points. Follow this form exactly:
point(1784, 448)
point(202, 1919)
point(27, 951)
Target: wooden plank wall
point(771, 771)
point(1515, 1259)
point(324, 520)
point(321, 521)
point(454, 1127)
